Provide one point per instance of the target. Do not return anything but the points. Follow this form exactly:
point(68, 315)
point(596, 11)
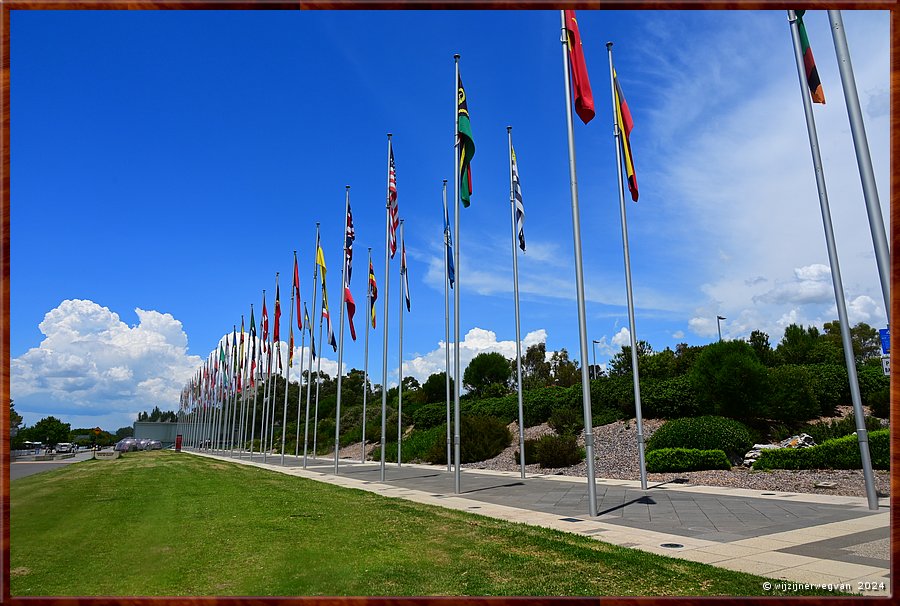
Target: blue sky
point(165, 164)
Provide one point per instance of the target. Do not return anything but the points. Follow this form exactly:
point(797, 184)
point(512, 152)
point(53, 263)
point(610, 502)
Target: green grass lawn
point(161, 523)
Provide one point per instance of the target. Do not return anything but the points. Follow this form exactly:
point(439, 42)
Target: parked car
point(64, 447)
point(126, 445)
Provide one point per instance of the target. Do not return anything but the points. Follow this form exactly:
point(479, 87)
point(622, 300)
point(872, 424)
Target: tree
point(565, 371)
point(486, 369)
point(620, 364)
point(434, 388)
point(865, 340)
point(51, 431)
point(797, 345)
point(535, 367)
point(657, 365)
point(759, 341)
point(730, 381)
point(124, 432)
point(15, 419)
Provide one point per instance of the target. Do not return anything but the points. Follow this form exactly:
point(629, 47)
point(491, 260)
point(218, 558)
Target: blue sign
point(885, 334)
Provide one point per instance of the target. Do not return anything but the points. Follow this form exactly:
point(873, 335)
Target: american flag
point(392, 201)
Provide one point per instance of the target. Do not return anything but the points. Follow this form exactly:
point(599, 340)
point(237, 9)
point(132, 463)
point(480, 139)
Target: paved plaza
point(800, 538)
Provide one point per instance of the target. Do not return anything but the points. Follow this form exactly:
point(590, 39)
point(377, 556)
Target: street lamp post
point(719, 324)
point(594, 349)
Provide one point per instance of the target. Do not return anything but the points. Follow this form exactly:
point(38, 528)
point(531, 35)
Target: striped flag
point(392, 200)
point(275, 332)
point(584, 98)
point(349, 237)
point(320, 259)
point(241, 357)
point(517, 195)
point(373, 291)
point(265, 325)
point(626, 123)
point(466, 143)
point(405, 274)
point(812, 74)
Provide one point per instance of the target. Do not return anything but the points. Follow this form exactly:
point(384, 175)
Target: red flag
point(349, 237)
point(265, 325)
point(373, 291)
point(297, 291)
point(581, 84)
point(275, 333)
point(351, 310)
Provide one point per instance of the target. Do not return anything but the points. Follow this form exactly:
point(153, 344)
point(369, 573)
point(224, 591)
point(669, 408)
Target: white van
point(64, 447)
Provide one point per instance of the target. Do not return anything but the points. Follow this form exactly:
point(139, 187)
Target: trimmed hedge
point(686, 459)
point(838, 428)
point(704, 433)
point(839, 453)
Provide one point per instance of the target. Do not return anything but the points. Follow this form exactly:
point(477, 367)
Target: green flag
point(466, 144)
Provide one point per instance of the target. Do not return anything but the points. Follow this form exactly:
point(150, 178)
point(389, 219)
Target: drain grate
point(571, 520)
point(672, 545)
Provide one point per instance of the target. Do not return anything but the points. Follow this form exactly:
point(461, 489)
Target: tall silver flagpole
point(456, 269)
point(255, 389)
point(387, 292)
point(862, 434)
point(299, 388)
point(515, 255)
point(340, 374)
point(234, 404)
point(366, 357)
point(400, 385)
point(276, 362)
point(310, 329)
point(319, 370)
point(617, 135)
point(264, 434)
point(579, 277)
point(447, 322)
point(245, 371)
point(863, 159)
point(287, 372)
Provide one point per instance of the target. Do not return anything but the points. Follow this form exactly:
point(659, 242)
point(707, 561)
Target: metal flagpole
point(245, 367)
point(318, 371)
point(276, 349)
point(863, 159)
point(366, 358)
point(299, 391)
point(400, 385)
point(287, 375)
point(447, 322)
point(310, 329)
point(387, 293)
point(265, 445)
point(579, 277)
point(337, 414)
point(456, 269)
point(634, 358)
point(255, 388)
point(234, 396)
point(515, 255)
point(861, 432)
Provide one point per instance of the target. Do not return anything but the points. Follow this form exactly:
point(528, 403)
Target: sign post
point(178, 443)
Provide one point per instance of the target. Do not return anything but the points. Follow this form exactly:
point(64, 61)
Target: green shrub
point(831, 386)
point(566, 421)
point(669, 398)
point(429, 415)
point(730, 380)
point(838, 428)
point(792, 396)
point(839, 453)
point(686, 459)
point(505, 408)
point(552, 451)
point(614, 393)
point(415, 446)
point(530, 452)
point(880, 401)
point(480, 438)
point(539, 403)
point(871, 381)
point(704, 433)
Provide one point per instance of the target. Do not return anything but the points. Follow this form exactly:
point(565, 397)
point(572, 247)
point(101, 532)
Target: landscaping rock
point(754, 453)
point(804, 440)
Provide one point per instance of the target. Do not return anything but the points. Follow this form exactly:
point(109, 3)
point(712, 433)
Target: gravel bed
point(616, 457)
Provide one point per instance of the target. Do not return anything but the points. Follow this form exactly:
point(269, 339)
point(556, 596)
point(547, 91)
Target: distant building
point(164, 432)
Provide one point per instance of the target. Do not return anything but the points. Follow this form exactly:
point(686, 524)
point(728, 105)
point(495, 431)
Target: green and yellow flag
point(466, 144)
